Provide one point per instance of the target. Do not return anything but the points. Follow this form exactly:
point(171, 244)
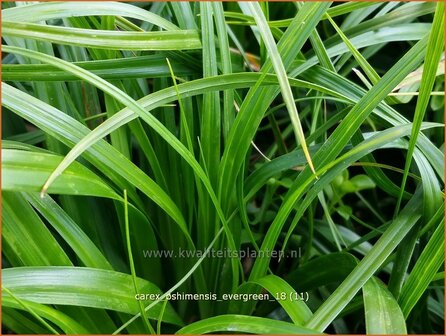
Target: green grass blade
point(296, 309)
point(243, 324)
point(424, 270)
point(20, 222)
point(150, 66)
point(104, 39)
point(368, 69)
point(82, 286)
point(178, 284)
point(26, 171)
point(368, 266)
point(210, 130)
point(383, 111)
point(147, 325)
point(31, 311)
point(281, 76)
point(81, 244)
point(347, 7)
point(17, 321)
point(64, 322)
point(403, 256)
point(434, 51)
point(226, 66)
point(403, 14)
point(56, 10)
point(383, 315)
point(184, 14)
point(211, 118)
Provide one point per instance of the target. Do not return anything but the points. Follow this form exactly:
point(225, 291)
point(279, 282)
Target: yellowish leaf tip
point(44, 190)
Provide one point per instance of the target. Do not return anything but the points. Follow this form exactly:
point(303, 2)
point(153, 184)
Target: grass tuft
point(282, 166)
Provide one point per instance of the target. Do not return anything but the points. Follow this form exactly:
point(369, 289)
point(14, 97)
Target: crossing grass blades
point(208, 167)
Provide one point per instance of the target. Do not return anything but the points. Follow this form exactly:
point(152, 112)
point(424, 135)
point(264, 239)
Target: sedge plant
point(213, 167)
